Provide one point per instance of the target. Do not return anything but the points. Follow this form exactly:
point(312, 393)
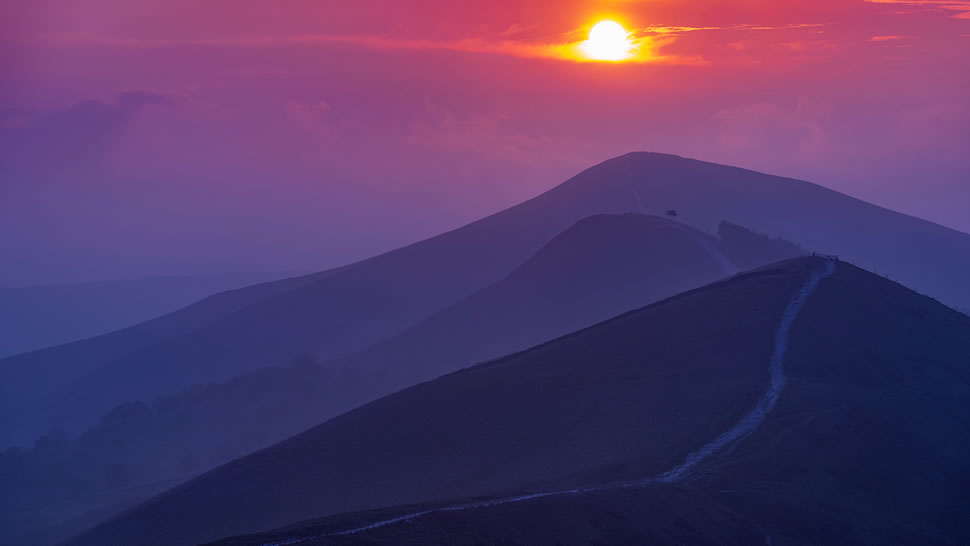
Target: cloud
point(648, 42)
point(961, 7)
point(807, 45)
point(651, 44)
point(646, 47)
point(887, 38)
point(676, 30)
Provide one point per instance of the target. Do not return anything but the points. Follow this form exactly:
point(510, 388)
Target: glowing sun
point(608, 41)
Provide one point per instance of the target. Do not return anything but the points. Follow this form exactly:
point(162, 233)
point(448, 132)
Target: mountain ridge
point(652, 394)
point(600, 266)
point(791, 479)
point(369, 301)
point(545, 370)
point(628, 260)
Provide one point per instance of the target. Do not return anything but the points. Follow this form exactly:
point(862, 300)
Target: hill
point(369, 301)
point(598, 268)
point(31, 382)
point(693, 378)
point(61, 485)
point(928, 257)
point(34, 317)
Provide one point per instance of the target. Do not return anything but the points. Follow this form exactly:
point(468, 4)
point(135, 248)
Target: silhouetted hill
point(338, 314)
point(32, 382)
point(864, 441)
point(372, 300)
point(598, 268)
point(62, 485)
point(571, 408)
point(920, 254)
point(748, 249)
point(34, 317)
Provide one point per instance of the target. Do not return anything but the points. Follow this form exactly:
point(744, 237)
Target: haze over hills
point(598, 268)
point(339, 314)
point(34, 317)
point(369, 301)
point(567, 412)
point(37, 377)
point(629, 399)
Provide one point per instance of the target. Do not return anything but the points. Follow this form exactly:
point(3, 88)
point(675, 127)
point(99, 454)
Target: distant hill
point(61, 485)
point(329, 316)
point(748, 249)
point(864, 442)
point(32, 382)
point(598, 268)
point(34, 317)
point(370, 301)
point(928, 257)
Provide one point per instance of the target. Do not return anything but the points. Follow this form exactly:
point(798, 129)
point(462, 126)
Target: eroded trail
point(776, 371)
point(748, 424)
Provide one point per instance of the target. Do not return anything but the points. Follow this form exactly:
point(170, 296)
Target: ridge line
point(748, 424)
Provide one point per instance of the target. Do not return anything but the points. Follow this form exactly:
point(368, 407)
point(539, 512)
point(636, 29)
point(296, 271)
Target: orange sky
point(374, 122)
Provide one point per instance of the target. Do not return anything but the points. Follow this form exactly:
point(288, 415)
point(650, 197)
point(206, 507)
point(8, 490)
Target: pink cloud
point(807, 45)
point(961, 7)
point(647, 46)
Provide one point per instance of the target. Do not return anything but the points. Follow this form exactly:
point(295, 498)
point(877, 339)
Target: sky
point(146, 138)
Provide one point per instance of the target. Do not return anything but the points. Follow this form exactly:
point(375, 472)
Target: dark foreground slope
point(369, 301)
point(625, 399)
point(869, 443)
point(662, 514)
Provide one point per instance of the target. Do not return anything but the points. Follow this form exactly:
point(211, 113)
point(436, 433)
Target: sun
point(608, 41)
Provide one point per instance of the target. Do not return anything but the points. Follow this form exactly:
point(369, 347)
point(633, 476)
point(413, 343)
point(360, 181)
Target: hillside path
point(748, 424)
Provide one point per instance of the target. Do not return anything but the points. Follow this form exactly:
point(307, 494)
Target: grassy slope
point(624, 399)
point(600, 267)
point(374, 299)
point(869, 444)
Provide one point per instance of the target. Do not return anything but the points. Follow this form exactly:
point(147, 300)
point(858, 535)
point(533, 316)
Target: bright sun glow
point(608, 41)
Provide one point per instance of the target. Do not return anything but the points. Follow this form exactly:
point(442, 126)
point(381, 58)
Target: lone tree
point(672, 213)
